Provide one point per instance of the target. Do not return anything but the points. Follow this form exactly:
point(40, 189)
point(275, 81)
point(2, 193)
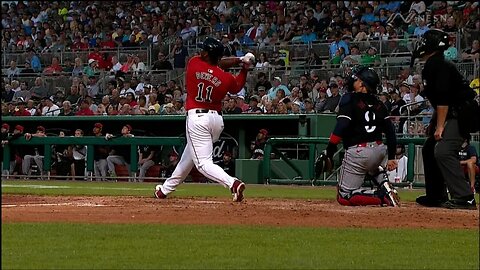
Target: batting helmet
point(368, 76)
point(214, 48)
point(431, 41)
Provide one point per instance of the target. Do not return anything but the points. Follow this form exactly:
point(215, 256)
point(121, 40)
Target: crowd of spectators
point(101, 82)
point(107, 85)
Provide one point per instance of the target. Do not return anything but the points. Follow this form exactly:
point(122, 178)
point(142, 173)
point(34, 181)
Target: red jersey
point(85, 112)
point(22, 113)
point(207, 85)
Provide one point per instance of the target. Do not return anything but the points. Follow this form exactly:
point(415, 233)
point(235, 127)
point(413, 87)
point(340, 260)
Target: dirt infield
point(271, 212)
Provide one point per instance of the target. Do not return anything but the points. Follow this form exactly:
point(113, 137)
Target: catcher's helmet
point(431, 41)
point(214, 48)
point(368, 76)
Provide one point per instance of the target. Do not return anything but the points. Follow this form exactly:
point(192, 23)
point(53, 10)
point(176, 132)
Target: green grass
point(129, 246)
point(184, 190)
point(154, 246)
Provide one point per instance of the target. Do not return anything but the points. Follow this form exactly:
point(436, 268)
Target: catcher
point(361, 121)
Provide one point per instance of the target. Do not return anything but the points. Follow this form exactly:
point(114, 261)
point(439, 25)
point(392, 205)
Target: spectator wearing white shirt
point(187, 32)
point(126, 89)
point(400, 173)
point(13, 70)
point(116, 65)
point(50, 109)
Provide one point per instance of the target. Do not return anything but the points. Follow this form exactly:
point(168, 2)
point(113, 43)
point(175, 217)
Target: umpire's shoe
point(237, 190)
point(158, 192)
point(461, 204)
point(426, 201)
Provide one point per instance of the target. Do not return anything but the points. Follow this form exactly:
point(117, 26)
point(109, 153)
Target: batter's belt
point(367, 144)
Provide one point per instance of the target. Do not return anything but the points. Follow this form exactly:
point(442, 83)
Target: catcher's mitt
point(323, 164)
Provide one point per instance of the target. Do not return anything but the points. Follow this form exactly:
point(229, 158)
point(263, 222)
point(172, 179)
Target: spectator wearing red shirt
point(54, 67)
point(96, 55)
point(78, 45)
point(21, 110)
point(131, 99)
point(108, 43)
point(85, 109)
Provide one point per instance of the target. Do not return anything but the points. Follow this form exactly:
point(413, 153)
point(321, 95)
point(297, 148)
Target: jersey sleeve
point(345, 107)
point(237, 82)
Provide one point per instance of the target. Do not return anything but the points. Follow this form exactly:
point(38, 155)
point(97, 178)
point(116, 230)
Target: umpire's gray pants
point(446, 155)
point(100, 168)
point(118, 160)
point(357, 163)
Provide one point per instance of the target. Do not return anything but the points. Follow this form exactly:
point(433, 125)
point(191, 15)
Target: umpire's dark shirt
point(443, 83)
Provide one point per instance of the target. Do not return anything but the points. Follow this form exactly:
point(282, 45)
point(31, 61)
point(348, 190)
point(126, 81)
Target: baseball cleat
point(158, 192)
point(237, 190)
point(426, 201)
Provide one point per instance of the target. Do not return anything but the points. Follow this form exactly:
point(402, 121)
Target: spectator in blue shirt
point(421, 28)
point(337, 43)
point(308, 36)
point(368, 16)
point(34, 60)
point(244, 39)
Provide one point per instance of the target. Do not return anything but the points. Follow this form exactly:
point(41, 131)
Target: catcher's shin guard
point(386, 191)
point(359, 198)
point(390, 194)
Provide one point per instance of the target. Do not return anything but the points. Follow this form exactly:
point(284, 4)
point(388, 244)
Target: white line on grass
point(53, 204)
point(70, 187)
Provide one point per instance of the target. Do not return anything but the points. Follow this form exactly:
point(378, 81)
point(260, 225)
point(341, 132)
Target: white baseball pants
point(203, 129)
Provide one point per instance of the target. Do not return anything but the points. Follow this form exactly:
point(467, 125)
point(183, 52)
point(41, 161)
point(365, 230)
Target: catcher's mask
point(431, 41)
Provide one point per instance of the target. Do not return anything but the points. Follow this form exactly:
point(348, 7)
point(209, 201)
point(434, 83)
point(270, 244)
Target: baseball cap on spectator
point(41, 128)
point(179, 100)
point(128, 127)
point(19, 128)
point(5, 126)
point(169, 96)
point(151, 107)
point(168, 105)
point(241, 97)
point(90, 61)
point(263, 131)
point(298, 103)
point(278, 78)
point(393, 91)
point(333, 84)
point(98, 125)
point(255, 98)
point(405, 84)
point(373, 48)
point(307, 100)
point(261, 88)
point(188, 21)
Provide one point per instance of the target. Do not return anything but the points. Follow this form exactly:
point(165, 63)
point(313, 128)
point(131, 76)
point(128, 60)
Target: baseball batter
point(361, 121)
point(207, 84)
